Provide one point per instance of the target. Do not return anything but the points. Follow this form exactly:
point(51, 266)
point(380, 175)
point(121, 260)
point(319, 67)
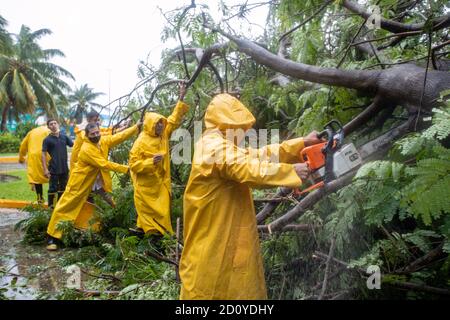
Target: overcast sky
point(103, 40)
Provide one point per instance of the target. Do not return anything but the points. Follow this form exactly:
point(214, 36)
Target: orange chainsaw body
point(313, 156)
point(315, 159)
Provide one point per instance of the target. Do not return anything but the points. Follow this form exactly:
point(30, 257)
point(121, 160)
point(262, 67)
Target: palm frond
point(31, 98)
point(4, 88)
point(18, 94)
point(51, 53)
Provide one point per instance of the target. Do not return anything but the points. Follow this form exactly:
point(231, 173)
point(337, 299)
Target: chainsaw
point(330, 159)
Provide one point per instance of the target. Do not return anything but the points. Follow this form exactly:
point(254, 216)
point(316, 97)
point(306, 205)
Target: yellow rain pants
point(92, 160)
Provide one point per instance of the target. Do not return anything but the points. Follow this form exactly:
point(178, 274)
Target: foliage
point(80, 99)
point(408, 202)
point(394, 212)
point(9, 143)
point(35, 225)
point(117, 220)
point(23, 128)
point(122, 262)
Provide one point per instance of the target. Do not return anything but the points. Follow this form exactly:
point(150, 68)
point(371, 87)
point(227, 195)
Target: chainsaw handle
point(333, 129)
point(322, 134)
point(335, 126)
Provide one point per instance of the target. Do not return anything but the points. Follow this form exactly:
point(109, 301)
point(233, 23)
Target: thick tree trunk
point(360, 79)
point(402, 84)
point(4, 116)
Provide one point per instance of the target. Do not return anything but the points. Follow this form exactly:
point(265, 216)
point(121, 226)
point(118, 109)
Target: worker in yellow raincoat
point(150, 170)
point(31, 147)
point(91, 117)
point(221, 256)
point(92, 161)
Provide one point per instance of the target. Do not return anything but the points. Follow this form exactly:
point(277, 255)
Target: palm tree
point(5, 38)
point(81, 98)
point(27, 78)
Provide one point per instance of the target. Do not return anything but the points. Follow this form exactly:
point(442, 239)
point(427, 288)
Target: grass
point(10, 154)
point(20, 189)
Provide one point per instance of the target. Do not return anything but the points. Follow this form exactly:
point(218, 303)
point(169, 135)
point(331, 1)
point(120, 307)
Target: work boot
point(52, 244)
point(51, 200)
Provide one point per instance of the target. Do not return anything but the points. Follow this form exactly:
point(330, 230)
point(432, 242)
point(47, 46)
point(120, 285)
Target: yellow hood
point(150, 121)
point(227, 112)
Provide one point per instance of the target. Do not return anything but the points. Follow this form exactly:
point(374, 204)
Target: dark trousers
point(57, 185)
point(39, 192)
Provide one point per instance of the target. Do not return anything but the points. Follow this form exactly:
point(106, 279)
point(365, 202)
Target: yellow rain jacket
point(92, 160)
point(31, 147)
point(151, 182)
point(79, 142)
point(221, 257)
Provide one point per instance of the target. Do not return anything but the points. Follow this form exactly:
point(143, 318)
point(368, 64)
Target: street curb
point(16, 204)
point(9, 159)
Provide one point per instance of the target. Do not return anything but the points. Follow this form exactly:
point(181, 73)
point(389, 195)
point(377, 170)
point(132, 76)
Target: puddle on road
point(8, 178)
point(26, 271)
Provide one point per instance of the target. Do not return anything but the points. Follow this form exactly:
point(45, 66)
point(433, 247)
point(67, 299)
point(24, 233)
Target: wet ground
point(5, 167)
point(26, 271)
point(8, 178)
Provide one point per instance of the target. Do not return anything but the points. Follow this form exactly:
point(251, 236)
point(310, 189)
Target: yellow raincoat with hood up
point(31, 147)
point(92, 160)
point(152, 184)
point(221, 257)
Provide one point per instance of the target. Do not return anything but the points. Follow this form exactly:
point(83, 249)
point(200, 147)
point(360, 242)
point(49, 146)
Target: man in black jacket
point(58, 171)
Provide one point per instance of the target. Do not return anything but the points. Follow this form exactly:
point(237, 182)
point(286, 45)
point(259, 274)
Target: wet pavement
point(26, 271)
point(5, 167)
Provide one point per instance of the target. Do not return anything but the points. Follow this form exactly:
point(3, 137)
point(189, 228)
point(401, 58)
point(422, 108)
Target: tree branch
point(433, 58)
point(419, 287)
point(160, 257)
point(364, 116)
point(415, 265)
point(324, 5)
point(402, 35)
point(395, 26)
point(289, 227)
point(327, 268)
point(354, 79)
point(271, 206)
point(307, 202)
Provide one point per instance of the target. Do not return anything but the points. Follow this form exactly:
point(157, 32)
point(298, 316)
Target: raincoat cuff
point(182, 106)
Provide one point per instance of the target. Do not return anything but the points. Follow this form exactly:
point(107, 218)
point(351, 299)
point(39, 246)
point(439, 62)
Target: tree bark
point(356, 79)
point(4, 116)
point(271, 206)
point(395, 26)
point(289, 227)
point(402, 84)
